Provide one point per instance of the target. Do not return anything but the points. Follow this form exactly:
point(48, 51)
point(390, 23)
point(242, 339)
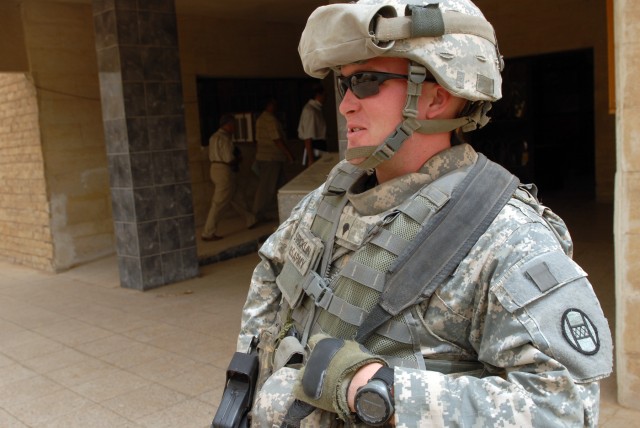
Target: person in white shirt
point(312, 128)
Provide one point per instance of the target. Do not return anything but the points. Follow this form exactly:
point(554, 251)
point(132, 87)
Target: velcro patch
point(542, 276)
point(484, 85)
point(460, 79)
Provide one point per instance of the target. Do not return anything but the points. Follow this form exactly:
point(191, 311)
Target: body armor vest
point(334, 273)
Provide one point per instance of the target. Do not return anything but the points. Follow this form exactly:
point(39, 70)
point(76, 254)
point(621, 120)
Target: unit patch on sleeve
point(580, 332)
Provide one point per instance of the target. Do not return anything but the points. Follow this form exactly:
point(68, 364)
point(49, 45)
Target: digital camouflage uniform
point(514, 336)
point(511, 305)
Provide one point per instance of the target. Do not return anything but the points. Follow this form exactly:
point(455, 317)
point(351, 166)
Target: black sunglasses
point(365, 84)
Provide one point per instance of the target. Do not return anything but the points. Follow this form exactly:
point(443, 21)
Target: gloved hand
point(324, 380)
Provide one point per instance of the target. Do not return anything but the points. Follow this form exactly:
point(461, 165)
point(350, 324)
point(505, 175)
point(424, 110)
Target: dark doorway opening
point(542, 129)
point(217, 96)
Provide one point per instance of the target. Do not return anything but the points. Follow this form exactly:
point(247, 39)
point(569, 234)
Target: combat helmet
point(449, 41)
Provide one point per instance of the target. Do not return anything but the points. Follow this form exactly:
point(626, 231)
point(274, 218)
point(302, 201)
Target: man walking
point(224, 157)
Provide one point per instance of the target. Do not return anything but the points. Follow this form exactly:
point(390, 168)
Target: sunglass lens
point(365, 89)
point(362, 85)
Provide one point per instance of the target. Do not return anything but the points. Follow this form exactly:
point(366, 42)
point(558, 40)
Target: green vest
point(322, 297)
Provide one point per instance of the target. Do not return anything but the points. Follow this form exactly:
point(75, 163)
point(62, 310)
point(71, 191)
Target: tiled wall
point(140, 83)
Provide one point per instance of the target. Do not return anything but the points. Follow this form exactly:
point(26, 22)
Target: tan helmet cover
point(457, 47)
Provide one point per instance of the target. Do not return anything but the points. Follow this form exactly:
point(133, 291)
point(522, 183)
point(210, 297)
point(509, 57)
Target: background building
point(102, 125)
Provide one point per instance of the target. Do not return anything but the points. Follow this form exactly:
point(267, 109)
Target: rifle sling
point(442, 244)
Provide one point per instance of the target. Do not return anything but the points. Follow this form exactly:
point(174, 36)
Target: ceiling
point(251, 10)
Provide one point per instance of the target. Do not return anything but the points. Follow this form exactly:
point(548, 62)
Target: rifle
point(237, 398)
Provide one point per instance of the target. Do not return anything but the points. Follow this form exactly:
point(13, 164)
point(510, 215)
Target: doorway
point(542, 129)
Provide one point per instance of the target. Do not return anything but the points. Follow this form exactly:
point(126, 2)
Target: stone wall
point(61, 49)
point(14, 54)
point(24, 210)
point(627, 204)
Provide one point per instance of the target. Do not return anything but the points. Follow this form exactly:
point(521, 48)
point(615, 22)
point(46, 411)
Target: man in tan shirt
point(224, 177)
point(271, 153)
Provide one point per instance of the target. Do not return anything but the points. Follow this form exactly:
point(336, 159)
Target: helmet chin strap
point(374, 156)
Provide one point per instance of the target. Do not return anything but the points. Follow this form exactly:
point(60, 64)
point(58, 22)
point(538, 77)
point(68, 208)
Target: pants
point(225, 184)
point(319, 148)
point(271, 178)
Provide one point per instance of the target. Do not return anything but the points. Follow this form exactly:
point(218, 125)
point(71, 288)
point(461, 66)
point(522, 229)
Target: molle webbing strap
point(327, 211)
point(393, 243)
point(317, 289)
point(322, 296)
point(428, 200)
point(365, 275)
point(325, 224)
point(429, 196)
point(443, 243)
point(429, 21)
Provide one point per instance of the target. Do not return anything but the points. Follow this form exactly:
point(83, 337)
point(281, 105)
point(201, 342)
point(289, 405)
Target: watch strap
point(386, 375)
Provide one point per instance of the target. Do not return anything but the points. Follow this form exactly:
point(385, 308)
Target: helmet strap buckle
point(416, 76)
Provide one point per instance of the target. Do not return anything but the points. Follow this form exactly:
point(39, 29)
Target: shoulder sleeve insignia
point(580, 332)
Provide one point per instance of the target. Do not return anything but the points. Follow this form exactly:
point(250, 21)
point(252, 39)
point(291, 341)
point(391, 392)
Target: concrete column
point(144, 126)
point(627, 200)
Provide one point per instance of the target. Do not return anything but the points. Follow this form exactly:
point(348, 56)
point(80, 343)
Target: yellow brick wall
point(24, 210)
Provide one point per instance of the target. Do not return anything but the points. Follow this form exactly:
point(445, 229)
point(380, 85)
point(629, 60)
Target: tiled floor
point(79, 351)
point(76, 350)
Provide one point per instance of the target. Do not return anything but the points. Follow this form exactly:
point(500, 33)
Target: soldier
point(415, 287)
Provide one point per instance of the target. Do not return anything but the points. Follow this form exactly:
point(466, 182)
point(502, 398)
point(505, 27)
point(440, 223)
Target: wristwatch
point(374, 401)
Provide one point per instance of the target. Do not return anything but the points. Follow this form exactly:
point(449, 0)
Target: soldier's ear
point(440, 103)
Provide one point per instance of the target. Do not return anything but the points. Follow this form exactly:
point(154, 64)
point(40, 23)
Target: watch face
point(372, 407)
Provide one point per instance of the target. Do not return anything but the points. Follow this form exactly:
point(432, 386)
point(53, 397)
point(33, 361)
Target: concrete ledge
point(309, 179)
point(242, 249)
